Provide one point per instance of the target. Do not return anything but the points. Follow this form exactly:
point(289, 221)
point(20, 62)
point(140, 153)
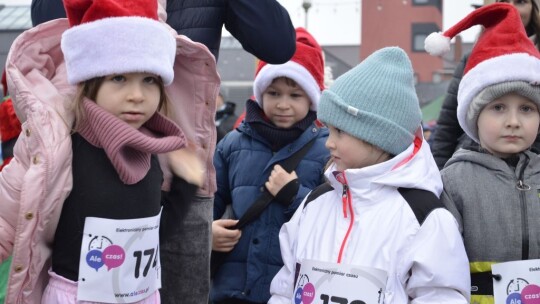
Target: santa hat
point(116, 36)
point(306, 68)
point(502, 54)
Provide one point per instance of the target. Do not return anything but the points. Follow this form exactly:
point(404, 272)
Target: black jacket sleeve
point(263, 27)
point(46, 10)
point(448, 130)
point(181, 192)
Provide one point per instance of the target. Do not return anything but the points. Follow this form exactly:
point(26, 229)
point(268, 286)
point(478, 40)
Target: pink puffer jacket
point(35, 184)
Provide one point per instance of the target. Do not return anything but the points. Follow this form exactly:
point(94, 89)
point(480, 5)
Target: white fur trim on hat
point(291, 70)
point(118, 45)
point(505, 68)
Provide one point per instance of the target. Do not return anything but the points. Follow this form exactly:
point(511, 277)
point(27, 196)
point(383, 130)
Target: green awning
point(431, 111)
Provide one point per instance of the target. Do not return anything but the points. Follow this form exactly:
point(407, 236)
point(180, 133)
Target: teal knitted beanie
point(375, 101)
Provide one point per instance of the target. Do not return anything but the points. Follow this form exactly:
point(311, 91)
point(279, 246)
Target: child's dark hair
point(89, 89)
point(533, 28)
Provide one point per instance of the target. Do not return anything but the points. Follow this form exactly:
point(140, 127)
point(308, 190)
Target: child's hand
point(186, 164)
point(279, 178)
point(224, 239)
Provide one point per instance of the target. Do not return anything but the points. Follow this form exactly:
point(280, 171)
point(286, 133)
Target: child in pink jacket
point(81, 200)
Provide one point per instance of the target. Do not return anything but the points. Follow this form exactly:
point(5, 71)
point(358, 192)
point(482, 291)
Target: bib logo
point(305, 294)
point(103, 252)
point(521, 292)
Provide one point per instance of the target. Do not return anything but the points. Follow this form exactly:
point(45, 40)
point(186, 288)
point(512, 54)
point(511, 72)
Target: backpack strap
point(422, 202)
point(263, 200)
point(315, 193)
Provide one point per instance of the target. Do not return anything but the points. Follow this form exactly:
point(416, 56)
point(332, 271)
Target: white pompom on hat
point(502, 54)
point(116, 36)
point(306, 68)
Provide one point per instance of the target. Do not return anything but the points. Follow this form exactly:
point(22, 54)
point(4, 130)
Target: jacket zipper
point(347, 203)
point(524, 228)
point(344, 199)
point(522, 187)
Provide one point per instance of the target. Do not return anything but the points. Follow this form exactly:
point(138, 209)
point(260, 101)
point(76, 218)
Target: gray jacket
point(497, 206)
point(481, 190)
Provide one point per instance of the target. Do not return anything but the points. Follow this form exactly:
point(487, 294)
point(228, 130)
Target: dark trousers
point(185, 257)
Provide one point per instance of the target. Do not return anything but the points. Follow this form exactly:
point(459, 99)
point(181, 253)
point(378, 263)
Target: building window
point(418, 42)
point(419, 33)
point(437, 3)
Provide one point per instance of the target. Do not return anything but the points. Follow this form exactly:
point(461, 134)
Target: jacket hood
point(36, 71)
point(35, 66)
point(413, 168)
point(37, 79)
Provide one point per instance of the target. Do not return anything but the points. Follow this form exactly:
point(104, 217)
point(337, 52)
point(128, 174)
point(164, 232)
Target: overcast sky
point(337, 22)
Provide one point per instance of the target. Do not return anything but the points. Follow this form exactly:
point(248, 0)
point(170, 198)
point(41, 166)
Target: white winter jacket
point(425, 261)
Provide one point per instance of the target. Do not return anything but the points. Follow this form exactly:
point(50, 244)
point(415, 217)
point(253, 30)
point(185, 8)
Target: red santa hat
point(116, 36)
point(306, 68)
point(502, 54)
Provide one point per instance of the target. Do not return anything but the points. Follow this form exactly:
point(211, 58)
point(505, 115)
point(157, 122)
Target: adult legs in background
point(185, 258)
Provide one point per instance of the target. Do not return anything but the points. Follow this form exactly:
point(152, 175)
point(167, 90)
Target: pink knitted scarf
point(129, 149)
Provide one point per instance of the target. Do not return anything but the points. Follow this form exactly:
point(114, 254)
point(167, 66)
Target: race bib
point(119, 260)
point(517, 282)
point(325, 283)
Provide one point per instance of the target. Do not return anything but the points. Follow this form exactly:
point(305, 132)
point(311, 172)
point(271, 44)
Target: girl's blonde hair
point(89, 89)
point(384, 156)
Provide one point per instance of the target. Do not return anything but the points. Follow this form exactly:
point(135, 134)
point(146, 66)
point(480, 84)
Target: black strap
point(422, 202)
point(482, 283)
point(266, 197)
point(315, 193)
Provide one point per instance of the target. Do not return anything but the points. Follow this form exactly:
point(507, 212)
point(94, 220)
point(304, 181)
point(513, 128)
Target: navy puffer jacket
point(243, 162)
point(263, 27)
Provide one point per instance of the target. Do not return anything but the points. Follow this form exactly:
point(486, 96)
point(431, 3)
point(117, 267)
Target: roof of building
point(15, 17)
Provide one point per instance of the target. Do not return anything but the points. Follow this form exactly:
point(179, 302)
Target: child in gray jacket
point(493, 190)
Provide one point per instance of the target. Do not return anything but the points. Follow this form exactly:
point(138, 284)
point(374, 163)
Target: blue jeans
point(185, 257)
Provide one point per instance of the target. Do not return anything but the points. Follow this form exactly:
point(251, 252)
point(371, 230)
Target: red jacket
point(10, 127)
